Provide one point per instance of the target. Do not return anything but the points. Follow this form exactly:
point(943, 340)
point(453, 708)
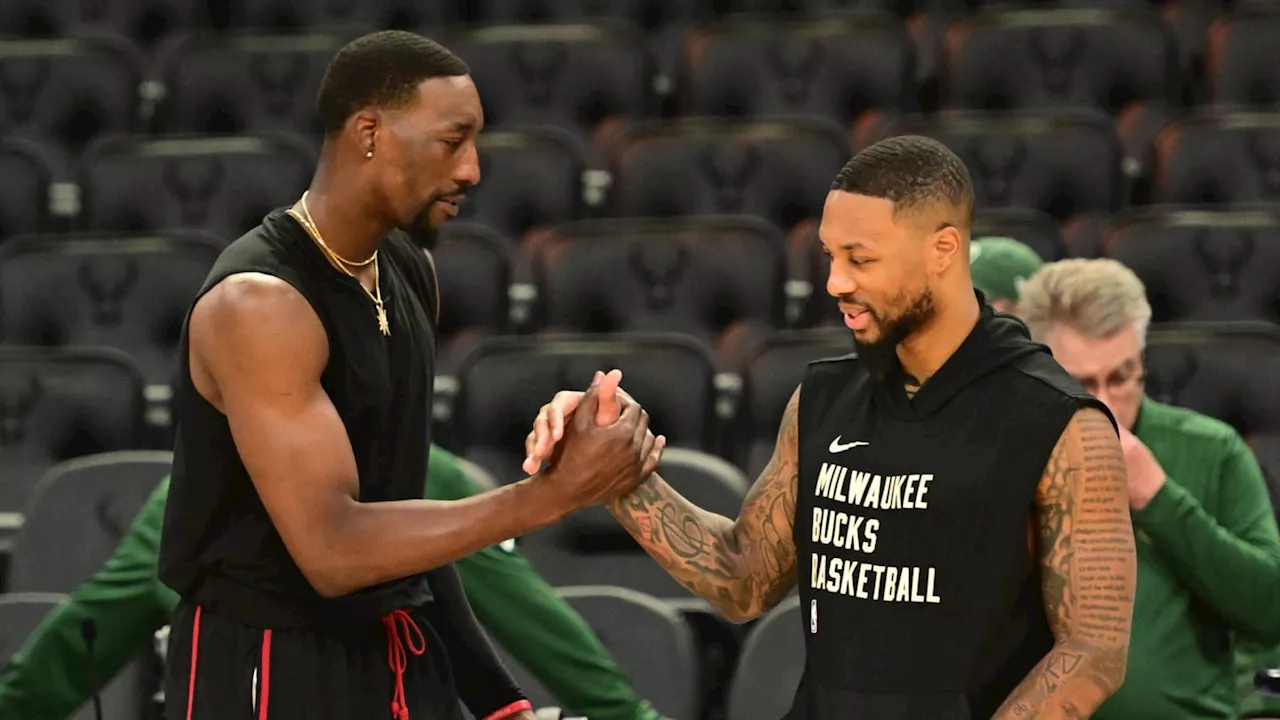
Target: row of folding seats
point(1072, 167)
point(578, 75)
point(63, 403)
point(723, 280)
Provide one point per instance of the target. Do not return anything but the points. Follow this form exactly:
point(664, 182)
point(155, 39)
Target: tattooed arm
point(1088, 571)
point(743, 567)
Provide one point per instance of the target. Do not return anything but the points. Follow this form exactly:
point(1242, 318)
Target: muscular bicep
point(764, 528)
point(257, 352)
point(1085, 538)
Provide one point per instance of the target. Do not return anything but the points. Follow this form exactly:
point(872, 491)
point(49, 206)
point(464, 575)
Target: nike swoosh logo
point(836, 447)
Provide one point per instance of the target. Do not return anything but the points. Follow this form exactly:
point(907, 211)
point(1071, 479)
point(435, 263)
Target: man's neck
point(344, 214)
point(929, 347)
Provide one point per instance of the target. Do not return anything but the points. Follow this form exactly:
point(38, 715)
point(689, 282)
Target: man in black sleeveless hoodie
point(951, 502)
point(315, 581)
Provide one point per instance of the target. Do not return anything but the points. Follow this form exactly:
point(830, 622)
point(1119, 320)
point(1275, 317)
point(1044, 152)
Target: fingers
point(609, 408)
point(641, 431)
point(653, 456)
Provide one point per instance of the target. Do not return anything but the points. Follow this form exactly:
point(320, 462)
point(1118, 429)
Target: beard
point(880, 354)
point(420, 230)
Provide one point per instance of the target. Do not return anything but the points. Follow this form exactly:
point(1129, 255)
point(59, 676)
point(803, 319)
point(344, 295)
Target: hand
point(1146, 477)
point(596, 462)
point(548, 427)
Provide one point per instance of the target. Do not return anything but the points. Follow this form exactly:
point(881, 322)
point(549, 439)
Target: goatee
point(880, 356)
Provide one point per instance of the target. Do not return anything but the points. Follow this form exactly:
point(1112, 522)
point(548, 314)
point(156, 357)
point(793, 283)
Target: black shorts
point(220, 669)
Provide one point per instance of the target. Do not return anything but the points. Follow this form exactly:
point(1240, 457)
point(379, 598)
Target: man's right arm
point(743, 567)
point(257, 353)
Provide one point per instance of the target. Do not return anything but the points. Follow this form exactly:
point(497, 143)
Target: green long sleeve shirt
point(49, 679)
point(1208, 574)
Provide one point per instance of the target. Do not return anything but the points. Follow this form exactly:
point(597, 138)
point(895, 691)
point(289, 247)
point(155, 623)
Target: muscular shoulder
point(255, 322)
point(1087, 450)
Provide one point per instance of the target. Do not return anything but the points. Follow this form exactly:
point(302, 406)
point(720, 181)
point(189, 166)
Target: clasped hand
point(596, 444)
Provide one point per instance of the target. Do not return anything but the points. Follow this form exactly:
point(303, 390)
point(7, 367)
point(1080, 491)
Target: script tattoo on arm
point(1088, 573)
point(743, 567)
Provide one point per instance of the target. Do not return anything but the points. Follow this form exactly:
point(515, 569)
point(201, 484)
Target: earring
point(369, 154)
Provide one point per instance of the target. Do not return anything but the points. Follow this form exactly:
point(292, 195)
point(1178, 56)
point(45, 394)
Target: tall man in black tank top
point(951, 502)
point(315, 581)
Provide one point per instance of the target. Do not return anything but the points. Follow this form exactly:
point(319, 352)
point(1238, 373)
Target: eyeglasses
point(1126, 378)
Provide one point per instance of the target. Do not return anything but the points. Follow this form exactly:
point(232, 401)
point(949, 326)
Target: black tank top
point(920, 593)
point(219, 547)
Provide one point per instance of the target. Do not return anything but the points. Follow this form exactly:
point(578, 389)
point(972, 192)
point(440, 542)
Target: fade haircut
point(911, 171)
point(1094, 297)
point(382, 69)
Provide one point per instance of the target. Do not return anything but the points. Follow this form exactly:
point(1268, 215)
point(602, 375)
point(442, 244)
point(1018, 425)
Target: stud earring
point(369, 154)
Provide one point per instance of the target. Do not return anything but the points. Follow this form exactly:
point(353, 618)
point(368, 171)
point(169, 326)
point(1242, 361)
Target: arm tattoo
point(743, 567)
point(1087, 567)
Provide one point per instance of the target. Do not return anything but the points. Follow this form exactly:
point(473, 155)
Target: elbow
point(1109, 664)
point(326, 579)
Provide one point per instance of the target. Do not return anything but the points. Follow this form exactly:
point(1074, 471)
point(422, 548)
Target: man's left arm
point(483, 683)
point(1229, 559)
point(1088, 570)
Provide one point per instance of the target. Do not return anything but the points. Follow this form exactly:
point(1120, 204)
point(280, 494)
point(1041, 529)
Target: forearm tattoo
point(742, 567)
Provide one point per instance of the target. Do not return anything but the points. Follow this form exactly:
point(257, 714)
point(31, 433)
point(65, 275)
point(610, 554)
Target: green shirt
point(50, 678)
point(1208, 573)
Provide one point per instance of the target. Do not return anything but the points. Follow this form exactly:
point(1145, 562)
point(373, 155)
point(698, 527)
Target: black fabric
point(309, 675)
point(938, 491)
point(220, 547)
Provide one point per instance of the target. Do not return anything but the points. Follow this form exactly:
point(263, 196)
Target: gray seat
point(770, 666)
point(21, 613)
point(636, 629)
point(79, 513)
point(58, 404)
point(590, 546)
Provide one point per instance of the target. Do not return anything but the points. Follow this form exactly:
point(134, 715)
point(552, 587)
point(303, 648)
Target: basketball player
point(315, 580)
point(952, 502)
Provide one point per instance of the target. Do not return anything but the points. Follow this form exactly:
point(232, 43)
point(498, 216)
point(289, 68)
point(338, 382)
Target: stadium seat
point(1060, 58)
point(79, 513)
point(309, 15)
point(635, 629)
point(245, 82)
point(590, 546)
point(1218, 369)
point(529, 178)
point(58, 404)
point(1203, 265)
point(646, 13)
point(144, 22)
point(1240, 62)
point(504, 382)
point(70, 90)
point(773, 373)
point(770, 666)
point(224, 185)
point(473, 266)
point(22, 613)
point(699, 276)
point(571, 76)
point(1063, 164)
point(130, 293)
point(779, 170)
point(837, 68)
point(28, 169)
point(1219, 158)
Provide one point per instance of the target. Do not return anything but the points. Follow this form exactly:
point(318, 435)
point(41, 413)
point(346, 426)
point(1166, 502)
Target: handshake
point(591, 447)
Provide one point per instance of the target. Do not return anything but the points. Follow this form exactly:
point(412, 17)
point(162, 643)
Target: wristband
point(512, 709)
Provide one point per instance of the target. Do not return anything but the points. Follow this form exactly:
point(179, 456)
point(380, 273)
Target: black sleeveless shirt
point(919, 591)
point(219, 547)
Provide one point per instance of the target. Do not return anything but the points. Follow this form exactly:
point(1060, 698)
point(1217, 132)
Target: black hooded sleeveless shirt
point(219, 547)
point(920, 592)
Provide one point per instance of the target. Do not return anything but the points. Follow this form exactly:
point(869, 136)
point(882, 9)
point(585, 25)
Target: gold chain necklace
point(304, 219)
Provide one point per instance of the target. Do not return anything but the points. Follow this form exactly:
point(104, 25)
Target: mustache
point(457, 193)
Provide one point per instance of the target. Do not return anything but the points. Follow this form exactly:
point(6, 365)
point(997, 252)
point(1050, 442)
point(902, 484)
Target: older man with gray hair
point(1208, 545)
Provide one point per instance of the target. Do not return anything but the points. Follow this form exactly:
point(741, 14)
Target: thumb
point(587, 408)
point(609, 407)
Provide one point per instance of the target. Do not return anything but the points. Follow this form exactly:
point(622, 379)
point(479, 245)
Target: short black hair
point(382, 69)
point(909, 171)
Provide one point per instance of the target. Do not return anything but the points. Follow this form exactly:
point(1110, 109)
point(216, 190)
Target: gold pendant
point(383, 324)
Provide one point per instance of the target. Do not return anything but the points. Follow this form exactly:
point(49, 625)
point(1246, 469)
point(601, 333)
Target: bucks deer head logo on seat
point(278, 76)
point(18, 400)
point(539, 66)
point(997, 161)
point(796, 62)
point(106, 281)
point(660, 264)
point(1224, 255)
point(193, 182)
point(728, 168)
point(1058, 52)
point(21, 80)
point(1169, 373)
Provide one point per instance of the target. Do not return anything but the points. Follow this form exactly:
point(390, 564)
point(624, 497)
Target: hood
point(996, 340)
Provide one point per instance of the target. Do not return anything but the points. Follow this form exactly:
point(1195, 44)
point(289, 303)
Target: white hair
point(1096, 298)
